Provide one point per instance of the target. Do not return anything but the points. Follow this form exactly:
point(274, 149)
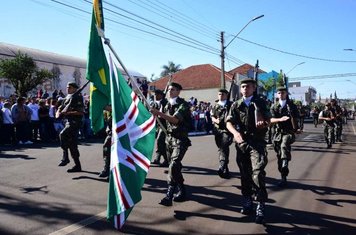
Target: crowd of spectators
point(28, 120)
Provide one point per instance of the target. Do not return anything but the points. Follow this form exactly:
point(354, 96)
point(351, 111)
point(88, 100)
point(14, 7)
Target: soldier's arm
point(172, 119)
point(230, 126)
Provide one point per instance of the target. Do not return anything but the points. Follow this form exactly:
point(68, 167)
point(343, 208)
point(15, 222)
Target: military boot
point(167, 200)
point(77, 167)
point(65, 158)
point(226, 173)
point(180, 196)
point(221, 170)
point(260, 213)
point(283, 182)
point(105, 172)
point(247, 205)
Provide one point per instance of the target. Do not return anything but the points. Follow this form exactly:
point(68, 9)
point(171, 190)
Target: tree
point(170, 68)
point(268, 84)
point(56, 71)
point(23, 73)
point(77, 75)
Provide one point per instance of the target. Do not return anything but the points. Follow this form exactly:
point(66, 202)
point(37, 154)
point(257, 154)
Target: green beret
point(247, 80)
point(73, 84)
point(176, 85)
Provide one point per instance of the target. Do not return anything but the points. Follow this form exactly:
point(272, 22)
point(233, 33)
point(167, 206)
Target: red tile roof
point(203, 76)
point(195, 77)
point(243, 69)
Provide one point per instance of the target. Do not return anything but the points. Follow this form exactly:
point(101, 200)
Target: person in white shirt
point(8, 131)
point(35, 119)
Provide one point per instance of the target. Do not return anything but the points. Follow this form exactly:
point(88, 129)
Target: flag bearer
point(178, 120)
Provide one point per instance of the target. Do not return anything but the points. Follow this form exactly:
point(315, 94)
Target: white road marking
point(80, 224)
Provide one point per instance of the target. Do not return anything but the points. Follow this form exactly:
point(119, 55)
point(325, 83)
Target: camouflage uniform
point(177, 143)
point(337, 111)
point(284, 135)
point(251, 156)
point(160, 136)
point(107, 146)
point(223, 138)
point(69, 135)
point(328, 126)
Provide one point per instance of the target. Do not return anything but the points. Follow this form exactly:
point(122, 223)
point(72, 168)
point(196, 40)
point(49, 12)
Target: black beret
point(176, 85)
point(282, 88)
point(223, 91)
point(247, 80)
point(73, 84)
point(158, 91)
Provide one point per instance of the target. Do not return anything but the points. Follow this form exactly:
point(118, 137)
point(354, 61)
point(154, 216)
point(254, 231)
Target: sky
point(303, 38)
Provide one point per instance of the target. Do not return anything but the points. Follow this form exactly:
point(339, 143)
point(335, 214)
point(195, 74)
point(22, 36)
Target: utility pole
point(223, 85)
point(222, 79)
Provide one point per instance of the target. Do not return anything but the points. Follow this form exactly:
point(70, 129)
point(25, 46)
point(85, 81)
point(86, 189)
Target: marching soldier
point(223, 138)
point(248, 120)
point(302, 114)
point(107, 142)
point(178, 118)
point(159, 103)
point(285, 116)
point(328, 117)
point(337, 111)
point(72, 110)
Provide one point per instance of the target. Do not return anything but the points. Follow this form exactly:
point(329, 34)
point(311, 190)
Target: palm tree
point(170, 68)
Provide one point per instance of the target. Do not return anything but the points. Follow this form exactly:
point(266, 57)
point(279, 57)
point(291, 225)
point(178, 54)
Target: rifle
point(294, 122)
point(256, 77)
point(169, 82)
point(232, 84)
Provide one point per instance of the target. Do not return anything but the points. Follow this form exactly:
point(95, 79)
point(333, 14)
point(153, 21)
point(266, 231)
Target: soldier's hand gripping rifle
point(65, 109)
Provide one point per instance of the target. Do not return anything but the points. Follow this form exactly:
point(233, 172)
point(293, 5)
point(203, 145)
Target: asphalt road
point(38, 197)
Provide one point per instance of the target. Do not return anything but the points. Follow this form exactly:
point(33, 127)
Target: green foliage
point(280, 79)
point(268, 84)
point(170, 68)
point(23, 73)
point(56, 71)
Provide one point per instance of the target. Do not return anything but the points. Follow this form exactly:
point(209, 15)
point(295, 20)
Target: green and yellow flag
point(97, 69)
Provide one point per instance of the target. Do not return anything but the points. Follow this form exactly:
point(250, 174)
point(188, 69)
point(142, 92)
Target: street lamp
point(224, 47)
point(295, 67)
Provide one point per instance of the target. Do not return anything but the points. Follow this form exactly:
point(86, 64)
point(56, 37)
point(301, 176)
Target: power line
point(145, 31)
point(163, 13)
point(182, 36)
point(298, 55)
point(189, 19)
point(324, 76)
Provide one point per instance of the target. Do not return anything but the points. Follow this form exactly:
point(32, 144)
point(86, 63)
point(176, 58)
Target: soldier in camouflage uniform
point(223, 138)
point(159, 103)
point(284, 116)
point(328, 117)
point(248, 120)
point(107, 142)
point(337, 111)
point(72, 111)
point(178, 119)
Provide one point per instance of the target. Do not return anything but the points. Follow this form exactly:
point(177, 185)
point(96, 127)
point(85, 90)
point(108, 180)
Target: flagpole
point(107, 42)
